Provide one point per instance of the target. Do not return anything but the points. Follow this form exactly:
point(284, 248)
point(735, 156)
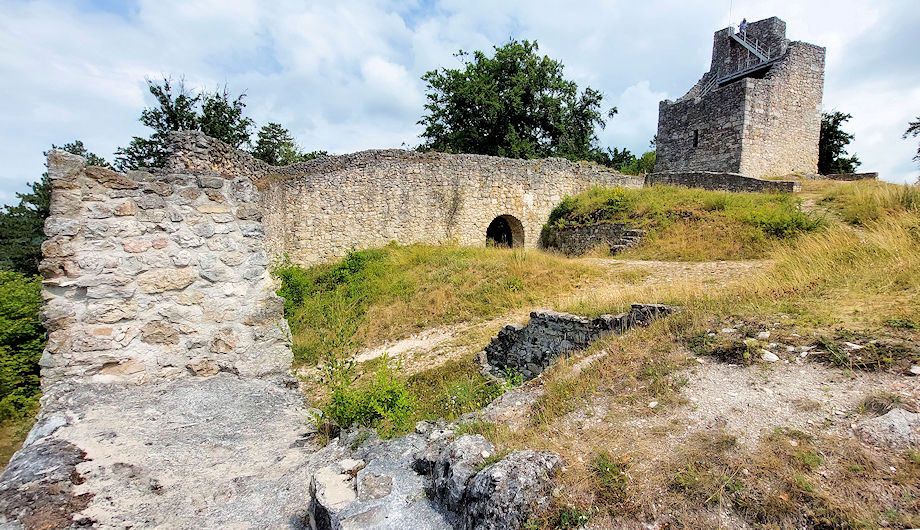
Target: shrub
point(384, 403)
point(22, 339)
point(562, 210)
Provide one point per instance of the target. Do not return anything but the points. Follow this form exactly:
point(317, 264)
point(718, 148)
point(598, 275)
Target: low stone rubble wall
point(849, 176)
point(532, 348)
point(709, 180)
point(575, 240)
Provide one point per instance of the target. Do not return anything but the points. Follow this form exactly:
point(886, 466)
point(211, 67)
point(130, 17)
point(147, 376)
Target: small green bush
point(22, 339)
point(384, 403)
point(562, 210)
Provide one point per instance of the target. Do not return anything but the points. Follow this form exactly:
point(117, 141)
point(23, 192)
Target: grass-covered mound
point(691, 224)
point(390, 292)
point(863, 202)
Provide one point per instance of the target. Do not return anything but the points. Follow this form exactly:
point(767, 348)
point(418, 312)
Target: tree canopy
point(276, 146)
point(832, 154)
point(515, 104)
point(22, 225)
point(216, 114)
point(913, 129)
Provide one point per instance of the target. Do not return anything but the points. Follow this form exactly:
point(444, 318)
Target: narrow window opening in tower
point(696, 137)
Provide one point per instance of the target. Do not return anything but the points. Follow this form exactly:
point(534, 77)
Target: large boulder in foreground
point(429, 479)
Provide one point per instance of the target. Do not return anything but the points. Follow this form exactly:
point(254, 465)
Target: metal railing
point(753, 45)
point(713, 81)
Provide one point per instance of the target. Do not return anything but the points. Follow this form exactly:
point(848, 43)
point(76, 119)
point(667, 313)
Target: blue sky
point(345, 75)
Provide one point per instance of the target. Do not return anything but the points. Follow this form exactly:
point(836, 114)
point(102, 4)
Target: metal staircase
point(753, 46)
point(762, 58)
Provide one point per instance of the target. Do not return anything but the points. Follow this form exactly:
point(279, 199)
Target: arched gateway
point(505, 231)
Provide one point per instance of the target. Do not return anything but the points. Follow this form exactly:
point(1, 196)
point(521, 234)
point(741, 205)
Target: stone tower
point(757, 111)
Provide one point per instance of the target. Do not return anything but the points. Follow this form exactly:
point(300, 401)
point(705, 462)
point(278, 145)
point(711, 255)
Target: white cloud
point(345, 76)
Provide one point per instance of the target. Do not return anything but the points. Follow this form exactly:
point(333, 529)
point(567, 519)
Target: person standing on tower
point(742, 27)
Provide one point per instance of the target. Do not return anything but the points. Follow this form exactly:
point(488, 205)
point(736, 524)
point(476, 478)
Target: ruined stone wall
point(847, 177)
point(782, 115)
point(710, 180)
point(320, 209)
point(764, 124)
point(530, 349)
point(580, 239)
point(156, 275)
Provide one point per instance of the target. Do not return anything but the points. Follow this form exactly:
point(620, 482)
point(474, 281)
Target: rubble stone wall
point(531, 348)
point(711, 180)
point(575, 240)
point(848, 177)
point(153, 275)
point(321, 209)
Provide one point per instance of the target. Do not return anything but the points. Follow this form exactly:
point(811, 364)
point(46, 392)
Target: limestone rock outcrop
point(429, 479)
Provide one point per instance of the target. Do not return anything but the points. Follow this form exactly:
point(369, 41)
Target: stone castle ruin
point(757, 111)
point(166, 375)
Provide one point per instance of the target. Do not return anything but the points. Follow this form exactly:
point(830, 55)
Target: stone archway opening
point(505, 231)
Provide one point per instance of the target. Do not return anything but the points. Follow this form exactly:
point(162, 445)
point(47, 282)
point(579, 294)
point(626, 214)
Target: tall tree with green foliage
point(515, 104)
point(22, 226)
point(832, 154)
point(913, 129)
point(276, 146)
point(222, 118)
point(177, 109)
point(22, 339)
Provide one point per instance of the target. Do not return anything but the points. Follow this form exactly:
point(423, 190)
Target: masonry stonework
point(156, 275)
point(750, 116)
point(320, 209)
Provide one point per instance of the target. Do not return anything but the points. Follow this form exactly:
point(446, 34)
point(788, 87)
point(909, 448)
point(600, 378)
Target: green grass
point(390, 292)
point(691, 224)
point(451, 390)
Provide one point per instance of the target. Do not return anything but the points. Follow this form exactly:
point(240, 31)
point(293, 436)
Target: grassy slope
point(390, 292)
point(862, 276)
point(691, 224)
point(859, 273)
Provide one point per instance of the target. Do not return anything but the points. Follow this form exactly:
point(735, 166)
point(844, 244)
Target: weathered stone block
point(157, 281)
point(159, 333)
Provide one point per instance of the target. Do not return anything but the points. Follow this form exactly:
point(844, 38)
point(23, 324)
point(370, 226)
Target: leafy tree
point(276, 146)
point(832, 154)
point(175, 111)
point(22, 225)
point(22, 339)
point(515, 104)
point(913, 129)
point(220, 116)
point(640, 166)
point(619, 159)
point(76, 147)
